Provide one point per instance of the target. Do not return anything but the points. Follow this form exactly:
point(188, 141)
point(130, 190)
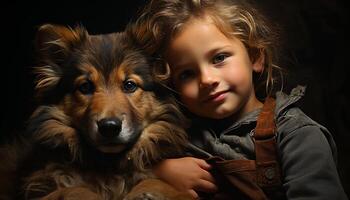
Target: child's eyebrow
point(213, 51)
point(180, 63)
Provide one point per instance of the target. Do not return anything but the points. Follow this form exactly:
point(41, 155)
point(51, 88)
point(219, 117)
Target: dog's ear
point(142, 38)
point(55, 42)
point(54, 45)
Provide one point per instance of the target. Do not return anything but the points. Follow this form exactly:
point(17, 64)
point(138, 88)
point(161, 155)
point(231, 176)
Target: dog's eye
point(87, 87)
point(129, 86)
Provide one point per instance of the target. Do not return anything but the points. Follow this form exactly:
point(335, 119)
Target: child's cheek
point(189, 92)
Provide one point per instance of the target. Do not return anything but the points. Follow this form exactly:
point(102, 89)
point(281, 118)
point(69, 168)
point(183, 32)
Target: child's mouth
point(216, 97)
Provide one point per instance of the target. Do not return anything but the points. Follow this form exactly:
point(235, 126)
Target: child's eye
point(219, 58)
point(186, 75)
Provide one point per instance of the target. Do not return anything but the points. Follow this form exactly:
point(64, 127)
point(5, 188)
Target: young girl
point(218, 52)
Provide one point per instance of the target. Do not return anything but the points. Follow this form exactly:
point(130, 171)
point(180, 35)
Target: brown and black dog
point(102, 121)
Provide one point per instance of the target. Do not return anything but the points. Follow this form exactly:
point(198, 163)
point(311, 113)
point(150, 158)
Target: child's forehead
point(201, 40)
point(206, 19)
point(198, 32)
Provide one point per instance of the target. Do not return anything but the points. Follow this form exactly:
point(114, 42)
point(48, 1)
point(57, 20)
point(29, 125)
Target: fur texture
point(102, 120)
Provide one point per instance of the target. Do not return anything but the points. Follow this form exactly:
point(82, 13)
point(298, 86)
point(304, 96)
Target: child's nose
point(208, 78)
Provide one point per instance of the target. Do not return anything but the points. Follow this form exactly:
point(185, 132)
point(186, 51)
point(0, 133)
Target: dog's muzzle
point(115, 135)
point(109, 127)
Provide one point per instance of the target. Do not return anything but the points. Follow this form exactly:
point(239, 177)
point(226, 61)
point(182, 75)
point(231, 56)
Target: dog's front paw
point(155, 189)
point(75, 193)
point(147, 196)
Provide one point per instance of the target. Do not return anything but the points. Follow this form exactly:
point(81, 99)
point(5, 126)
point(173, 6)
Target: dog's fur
point(102, 121)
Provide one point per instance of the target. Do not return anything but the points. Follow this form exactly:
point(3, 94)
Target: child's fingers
point(206, 175)
point(205, 186)
point(193, 194)
point(202, 163)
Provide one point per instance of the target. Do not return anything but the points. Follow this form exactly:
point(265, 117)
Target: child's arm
point(187, 174)
point(309, 169)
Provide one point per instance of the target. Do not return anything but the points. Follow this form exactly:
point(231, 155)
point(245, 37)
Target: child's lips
point(216, 97)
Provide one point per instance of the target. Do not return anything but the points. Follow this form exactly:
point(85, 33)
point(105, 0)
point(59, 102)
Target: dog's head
point(99, 90)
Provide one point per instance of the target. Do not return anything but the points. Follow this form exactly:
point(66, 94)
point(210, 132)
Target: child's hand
point(187, 174)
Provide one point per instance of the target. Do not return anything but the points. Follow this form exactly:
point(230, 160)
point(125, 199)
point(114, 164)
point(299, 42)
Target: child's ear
point(258, 65)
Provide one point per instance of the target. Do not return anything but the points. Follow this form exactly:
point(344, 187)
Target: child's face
point(211, 72)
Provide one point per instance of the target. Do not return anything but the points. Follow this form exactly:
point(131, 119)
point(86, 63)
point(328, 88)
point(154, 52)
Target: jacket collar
point(283, 101)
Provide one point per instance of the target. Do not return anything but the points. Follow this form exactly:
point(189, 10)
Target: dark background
point(316, 54)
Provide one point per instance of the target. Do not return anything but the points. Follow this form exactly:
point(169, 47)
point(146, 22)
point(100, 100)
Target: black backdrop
point(315, 40)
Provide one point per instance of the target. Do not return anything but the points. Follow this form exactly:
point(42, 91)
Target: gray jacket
point(307, 151)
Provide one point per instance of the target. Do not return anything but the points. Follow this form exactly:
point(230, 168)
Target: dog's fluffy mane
point(52, 128)
point(54, 142)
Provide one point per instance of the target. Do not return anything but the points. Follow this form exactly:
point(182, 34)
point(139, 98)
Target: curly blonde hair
point(161, 20)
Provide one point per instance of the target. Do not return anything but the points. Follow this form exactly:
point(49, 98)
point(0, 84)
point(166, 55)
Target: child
point(218, 51)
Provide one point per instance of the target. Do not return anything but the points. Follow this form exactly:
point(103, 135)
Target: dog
point(103, 119)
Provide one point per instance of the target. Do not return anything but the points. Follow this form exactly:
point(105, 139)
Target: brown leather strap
point(267, 166)
point(255, 179)
point(265, 126)
point(237, 174)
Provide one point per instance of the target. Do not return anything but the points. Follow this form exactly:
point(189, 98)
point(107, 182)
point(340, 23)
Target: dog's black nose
point(109, 127)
